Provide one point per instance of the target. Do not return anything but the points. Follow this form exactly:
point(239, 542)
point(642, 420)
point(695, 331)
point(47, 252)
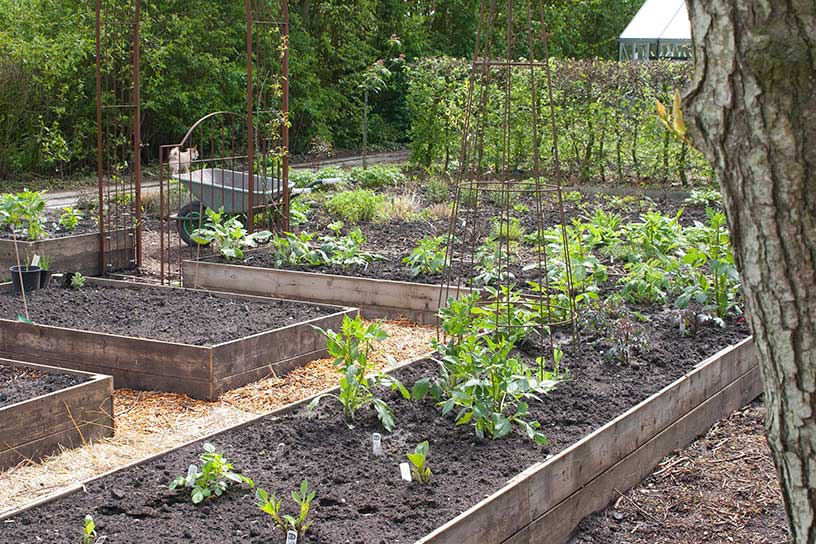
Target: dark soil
point(172, 315)
point(21, 384)
point(360, 498)
point(721, 489)
point(396, 239)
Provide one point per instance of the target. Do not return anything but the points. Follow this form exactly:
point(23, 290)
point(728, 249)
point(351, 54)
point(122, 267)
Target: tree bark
point(752, 111)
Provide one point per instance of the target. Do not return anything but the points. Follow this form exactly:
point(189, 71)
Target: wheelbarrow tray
point(219, 188)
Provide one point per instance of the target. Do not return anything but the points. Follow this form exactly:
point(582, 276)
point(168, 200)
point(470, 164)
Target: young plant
point(77, 281)
point(488, 388)
point(69, 219)
point(503, 230)
point(88, 530)
point(428, 258)
point(351, 349)
point(419, 467)
point(355, 206)
point(23, 210)
point(228, 233)
point(272, 506)
point(347, 251)
point(626, 339)
point(214, 477)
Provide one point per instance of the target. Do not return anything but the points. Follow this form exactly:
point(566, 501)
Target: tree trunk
point(752, 111)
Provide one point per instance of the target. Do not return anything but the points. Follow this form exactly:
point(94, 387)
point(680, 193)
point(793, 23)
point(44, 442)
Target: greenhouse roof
point(659, 20)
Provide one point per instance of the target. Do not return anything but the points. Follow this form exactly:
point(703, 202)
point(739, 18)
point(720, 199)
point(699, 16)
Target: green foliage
point(485, 386)
point(376, 176)
point(88, 530)
point(69, 218)
point(24, 210)
point(77, 281)
point(272, 506)
point(228, 233)
point(420, 471)
point(626, 339)
point(299, 209)
point(428, 258)
point(351, 348)
point(502, 229)
point(437, 190)
point(607, 123)
point(214, 477)
point(345, 251)
point(355, 206)
point(704, 197)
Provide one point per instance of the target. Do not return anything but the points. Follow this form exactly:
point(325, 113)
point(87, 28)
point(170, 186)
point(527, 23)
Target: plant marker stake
point(279, 451)
point(376, 443)
point(405, 472)
point(291, 537)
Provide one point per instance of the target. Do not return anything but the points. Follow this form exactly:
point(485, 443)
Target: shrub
point(437, 190)
point(355, 206)
point(376, 177)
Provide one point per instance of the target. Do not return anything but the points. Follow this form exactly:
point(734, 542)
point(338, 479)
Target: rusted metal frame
point(250, 118)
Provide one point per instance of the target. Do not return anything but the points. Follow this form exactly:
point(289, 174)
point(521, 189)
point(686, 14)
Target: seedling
point(214, 477)
point(88, 530)
point(70, 218)
point(78, 281)
point(350, 349)
point(419, 468)
point(228, 233)
point(429, 257)
point(272, 506)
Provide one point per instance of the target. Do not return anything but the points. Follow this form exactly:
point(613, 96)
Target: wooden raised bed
point(71, 417)
point(545, 503)
point(79, 253)
point(203, 372)
point(418, 302)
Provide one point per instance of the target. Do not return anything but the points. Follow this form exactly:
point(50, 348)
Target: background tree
point(752, 111)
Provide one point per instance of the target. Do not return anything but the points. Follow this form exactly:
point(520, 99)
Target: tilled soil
point(21, 384)
point(360, 498)
point(721, 489)
point(171, 315)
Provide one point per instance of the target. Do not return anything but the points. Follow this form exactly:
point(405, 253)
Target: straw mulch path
point(148, 423)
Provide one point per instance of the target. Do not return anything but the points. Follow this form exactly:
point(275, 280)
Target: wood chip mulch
point(721, 489)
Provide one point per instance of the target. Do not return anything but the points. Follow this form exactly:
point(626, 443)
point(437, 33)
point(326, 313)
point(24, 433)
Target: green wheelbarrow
point(218, 188)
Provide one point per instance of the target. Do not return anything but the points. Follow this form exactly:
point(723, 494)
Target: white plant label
point(376, 443)
point(291, 537)
point(35, 261)
point(405, 472)
point(279, 451)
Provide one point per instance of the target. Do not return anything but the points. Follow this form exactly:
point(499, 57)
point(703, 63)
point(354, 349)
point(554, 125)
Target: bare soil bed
point(171, 315)
point(360, 498)
point(18, 384)
point(721, 489)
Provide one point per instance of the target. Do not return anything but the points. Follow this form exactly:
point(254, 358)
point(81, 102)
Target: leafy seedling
point(419, 467)
point(89, 531)
point(272, 506)
point(214, 477)
point(77, 281)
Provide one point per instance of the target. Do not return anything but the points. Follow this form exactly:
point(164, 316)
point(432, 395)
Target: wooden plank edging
point(67, 417)
point(374, 297)
point(543, 486)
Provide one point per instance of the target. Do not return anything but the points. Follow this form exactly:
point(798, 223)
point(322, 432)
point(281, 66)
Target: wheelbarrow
point(218, 188)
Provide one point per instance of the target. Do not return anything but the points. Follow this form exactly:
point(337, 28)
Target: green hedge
point(605, 111)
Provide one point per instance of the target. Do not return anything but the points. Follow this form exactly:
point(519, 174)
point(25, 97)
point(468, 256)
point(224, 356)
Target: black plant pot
point(45, 278)
point(30, 276)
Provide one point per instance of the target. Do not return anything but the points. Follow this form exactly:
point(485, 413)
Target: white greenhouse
point(660, 30)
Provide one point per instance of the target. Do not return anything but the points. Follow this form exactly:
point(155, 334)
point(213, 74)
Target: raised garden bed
point(44, 408)
point(375, 298)
point(75, 253)
point(608, 426)
point(179, 340)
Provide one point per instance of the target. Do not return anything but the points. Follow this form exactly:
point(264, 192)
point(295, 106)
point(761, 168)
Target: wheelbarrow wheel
point(188, 220)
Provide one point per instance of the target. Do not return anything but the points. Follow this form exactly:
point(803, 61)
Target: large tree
point(752, 110)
